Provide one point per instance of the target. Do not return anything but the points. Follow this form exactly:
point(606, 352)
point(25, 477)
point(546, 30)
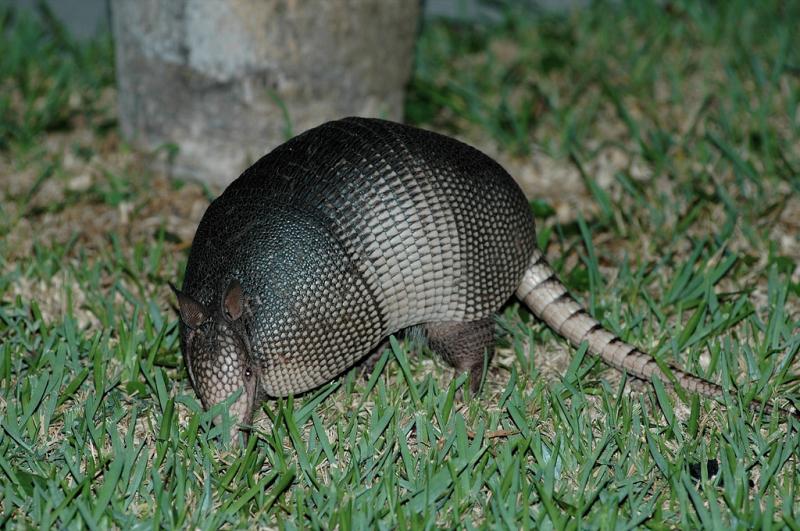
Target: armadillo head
point(217, 353)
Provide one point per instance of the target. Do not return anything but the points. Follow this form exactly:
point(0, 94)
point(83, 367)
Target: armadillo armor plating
point(352, 231)
point(357, 229)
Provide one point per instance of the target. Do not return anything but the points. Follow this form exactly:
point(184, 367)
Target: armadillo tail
point(549, 300)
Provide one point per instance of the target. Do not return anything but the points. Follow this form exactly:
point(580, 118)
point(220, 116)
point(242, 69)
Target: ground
point(660, 147)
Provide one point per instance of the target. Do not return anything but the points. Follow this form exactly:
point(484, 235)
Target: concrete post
point(228, 80)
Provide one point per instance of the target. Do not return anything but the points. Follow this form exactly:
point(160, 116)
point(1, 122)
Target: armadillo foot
point(464, 346)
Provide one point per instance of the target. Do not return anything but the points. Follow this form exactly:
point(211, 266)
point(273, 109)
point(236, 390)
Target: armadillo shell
point(354, 230)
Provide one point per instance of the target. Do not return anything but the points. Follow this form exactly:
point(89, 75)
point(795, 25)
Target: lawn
point(660, 146)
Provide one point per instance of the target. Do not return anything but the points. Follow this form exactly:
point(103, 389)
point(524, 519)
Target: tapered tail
point(548, 299)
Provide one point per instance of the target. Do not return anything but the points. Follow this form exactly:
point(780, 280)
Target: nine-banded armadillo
point(355, 230)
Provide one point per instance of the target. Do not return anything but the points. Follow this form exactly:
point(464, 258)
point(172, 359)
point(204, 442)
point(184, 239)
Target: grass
point(665, 147)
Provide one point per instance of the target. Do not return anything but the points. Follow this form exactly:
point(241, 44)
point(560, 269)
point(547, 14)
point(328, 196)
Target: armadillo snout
point(221, 369)
point(217, 354)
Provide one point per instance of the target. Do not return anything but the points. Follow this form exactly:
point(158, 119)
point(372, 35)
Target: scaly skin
point(548, 299)
point(353, 231)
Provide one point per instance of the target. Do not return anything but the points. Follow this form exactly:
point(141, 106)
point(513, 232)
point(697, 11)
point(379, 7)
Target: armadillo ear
point(193, 313)
point(233, 301)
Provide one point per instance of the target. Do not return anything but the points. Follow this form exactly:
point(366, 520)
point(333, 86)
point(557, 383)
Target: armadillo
point(355, 230)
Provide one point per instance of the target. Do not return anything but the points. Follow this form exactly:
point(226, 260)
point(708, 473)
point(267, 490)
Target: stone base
point(219, 78)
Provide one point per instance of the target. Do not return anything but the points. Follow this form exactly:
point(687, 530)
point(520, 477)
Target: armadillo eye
point(248, 373)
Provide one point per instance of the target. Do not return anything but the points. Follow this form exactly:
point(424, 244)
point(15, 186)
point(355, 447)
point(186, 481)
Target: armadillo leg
point(464, 345)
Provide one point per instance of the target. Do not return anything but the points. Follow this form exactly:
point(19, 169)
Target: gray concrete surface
point(218, 78)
